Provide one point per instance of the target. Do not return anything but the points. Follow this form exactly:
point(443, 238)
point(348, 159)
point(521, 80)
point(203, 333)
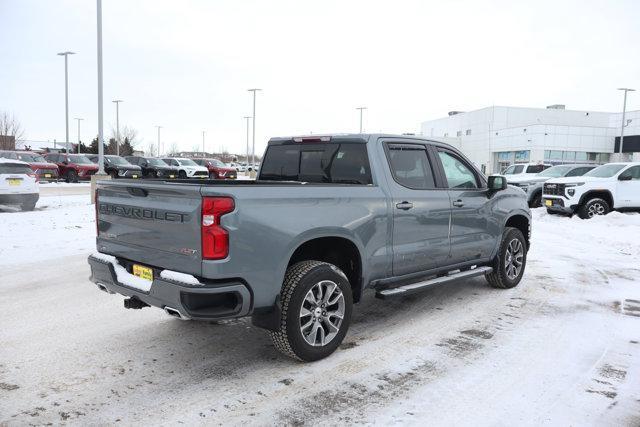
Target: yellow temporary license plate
point(135, 176)
point(47, 175)
point(548, 202)
point(172, 176)
point(143, 272)
point(15, 181)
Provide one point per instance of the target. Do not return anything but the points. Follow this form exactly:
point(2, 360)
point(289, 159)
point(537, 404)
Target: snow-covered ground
point(563, 348)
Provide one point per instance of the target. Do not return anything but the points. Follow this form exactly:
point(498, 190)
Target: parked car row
point(79, 167)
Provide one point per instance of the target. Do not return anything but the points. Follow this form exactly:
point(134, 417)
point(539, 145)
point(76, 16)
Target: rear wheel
point(509, 263)
point(594, 207)
point(316, 310)
point(71, 176)
point(28, 206)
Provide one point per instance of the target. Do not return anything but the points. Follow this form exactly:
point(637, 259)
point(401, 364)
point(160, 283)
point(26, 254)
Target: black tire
point(71, 176)
point(29, 206)
point(536, 202)
point(182, 175)
point(499, 278)
point(593, 207)
point(113, 174)
point(298, 282)
point(551, 212)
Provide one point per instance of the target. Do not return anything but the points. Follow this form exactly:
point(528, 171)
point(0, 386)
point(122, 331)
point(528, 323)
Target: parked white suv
point(187, 168)
point(18, 185)
point(598, 192)
point(524, 169)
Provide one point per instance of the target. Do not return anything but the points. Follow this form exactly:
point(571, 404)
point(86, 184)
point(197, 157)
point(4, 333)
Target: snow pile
point(59, 226)
point(123, 276)
point(180, 277)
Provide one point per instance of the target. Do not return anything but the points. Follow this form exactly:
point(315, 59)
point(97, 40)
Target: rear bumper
point(210, 301)
point(18, 199)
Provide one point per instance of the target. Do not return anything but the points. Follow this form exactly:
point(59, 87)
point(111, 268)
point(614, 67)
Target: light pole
point(361, 109)
point(79, 120)
point(624, 111)
point(253, 149)
point(100, 101)
point(66, 95)
point(159, 127)
point(117, 102)
point(203, 142)
point(247, 119)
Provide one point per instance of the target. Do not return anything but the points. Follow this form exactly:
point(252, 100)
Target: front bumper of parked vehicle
point(558, 204)
point(205, 301)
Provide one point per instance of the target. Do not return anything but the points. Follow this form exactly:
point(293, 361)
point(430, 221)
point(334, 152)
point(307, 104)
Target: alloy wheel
point(321, 313)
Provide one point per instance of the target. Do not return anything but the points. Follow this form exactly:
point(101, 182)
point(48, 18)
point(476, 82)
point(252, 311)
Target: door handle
point(458, 203)
point(404, 205)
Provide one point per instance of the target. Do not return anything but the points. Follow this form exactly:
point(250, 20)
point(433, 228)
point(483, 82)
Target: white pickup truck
point(614, 186)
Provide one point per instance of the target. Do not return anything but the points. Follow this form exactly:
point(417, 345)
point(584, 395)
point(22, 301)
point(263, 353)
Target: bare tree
point(173, 148)
point(151, 150)
point(126, 132)
point(10, 126)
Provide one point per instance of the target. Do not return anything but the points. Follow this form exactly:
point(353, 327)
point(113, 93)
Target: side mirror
point(497, 183)
point(625, 177)
point(64, 162)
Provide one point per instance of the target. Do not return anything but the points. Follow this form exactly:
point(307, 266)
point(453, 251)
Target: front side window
point(458, 174)
point(633, 172)
point(513, 170)
point(411, 167)
point(79, 160)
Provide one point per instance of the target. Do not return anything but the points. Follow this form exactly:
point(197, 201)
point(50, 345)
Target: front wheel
point(509, 263)
point(182, 175)
point(316, 304)
point(71, 176)
point(536, 201)
point(594, 207)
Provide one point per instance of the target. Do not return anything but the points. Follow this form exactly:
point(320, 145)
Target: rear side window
point(319, 163)
point(14, 168)
point(410, 167)
point(633, 172)
point(535, 168)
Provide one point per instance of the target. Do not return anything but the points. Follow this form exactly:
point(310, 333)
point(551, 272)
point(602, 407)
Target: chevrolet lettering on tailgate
point(142, 213)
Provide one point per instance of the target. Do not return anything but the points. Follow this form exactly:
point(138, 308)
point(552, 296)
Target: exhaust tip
point(104, 288)
point(175, 313)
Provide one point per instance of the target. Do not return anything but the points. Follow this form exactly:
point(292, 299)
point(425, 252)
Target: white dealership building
point(495, 137)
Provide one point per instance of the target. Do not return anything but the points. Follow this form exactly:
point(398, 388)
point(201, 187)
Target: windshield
point(605, 171)
point(115, 160)
point(32, 158)
point(555, 171)
point(155, 162)
point(513, 170)
point(79, 160)
point(218, 163)
point(187, 162)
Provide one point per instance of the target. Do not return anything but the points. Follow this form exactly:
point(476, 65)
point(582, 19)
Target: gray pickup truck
point(327, 218)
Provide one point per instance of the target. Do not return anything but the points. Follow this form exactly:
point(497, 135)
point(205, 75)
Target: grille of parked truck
point(328, 218)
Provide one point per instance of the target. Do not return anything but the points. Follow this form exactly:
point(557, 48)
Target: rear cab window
point(333, 163)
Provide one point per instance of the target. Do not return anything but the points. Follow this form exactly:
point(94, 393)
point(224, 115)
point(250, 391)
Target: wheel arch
point(602, 194)
point(521, 222)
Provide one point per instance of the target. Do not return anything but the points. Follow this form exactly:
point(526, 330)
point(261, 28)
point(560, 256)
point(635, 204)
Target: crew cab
point(328, 218)
point(187, 168)
point(18, 185)
point(72, 167)
point(153, 168)
point(598, 192)
point(118, 167)
point(43, 170)
point(217, 169)
point(532, 184)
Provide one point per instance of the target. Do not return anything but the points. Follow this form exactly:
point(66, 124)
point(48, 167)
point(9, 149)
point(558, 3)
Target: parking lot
point(561, 348)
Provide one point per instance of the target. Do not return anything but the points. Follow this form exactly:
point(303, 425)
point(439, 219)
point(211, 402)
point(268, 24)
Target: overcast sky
point(187, 65)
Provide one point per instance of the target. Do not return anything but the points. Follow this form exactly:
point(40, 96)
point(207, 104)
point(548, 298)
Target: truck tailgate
point(157, 224)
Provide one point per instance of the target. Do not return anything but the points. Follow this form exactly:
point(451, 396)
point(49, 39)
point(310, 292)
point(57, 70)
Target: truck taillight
point(215, 239)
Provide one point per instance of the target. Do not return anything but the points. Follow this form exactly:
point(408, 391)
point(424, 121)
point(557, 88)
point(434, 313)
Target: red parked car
point(73, 167)
point(42, 169)
point(217, 169)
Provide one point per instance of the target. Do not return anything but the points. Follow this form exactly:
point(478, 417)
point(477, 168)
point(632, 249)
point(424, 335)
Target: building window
point(468, 132)
point(522, 156)
point(459, 133)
